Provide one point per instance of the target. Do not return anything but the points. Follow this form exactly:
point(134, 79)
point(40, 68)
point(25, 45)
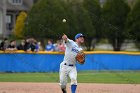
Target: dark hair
point(5, 39)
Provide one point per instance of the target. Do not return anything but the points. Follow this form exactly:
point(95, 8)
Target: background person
point(49, 46)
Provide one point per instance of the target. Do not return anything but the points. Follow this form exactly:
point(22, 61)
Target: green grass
point(29, 77)
point(118, 77)
point(110, 77)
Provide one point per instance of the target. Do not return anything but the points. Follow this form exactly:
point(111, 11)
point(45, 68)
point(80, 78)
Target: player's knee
point(73, 81)
point(63, 86)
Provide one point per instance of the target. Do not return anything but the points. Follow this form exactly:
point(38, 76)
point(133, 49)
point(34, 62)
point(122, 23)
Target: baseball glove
point(80, 57)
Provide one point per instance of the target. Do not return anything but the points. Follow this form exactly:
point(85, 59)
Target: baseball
point(64, 20)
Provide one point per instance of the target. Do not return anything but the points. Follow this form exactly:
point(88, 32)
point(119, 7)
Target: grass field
point(125, 77)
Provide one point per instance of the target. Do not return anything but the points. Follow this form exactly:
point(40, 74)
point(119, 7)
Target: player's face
point(81, 40)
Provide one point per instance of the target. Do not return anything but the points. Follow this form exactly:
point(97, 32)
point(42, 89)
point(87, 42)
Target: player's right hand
point(64, 37)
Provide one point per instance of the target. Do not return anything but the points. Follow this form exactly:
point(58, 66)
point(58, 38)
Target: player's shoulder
point(69, 41)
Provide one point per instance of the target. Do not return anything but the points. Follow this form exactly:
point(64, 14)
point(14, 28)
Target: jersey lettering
point(74, 50)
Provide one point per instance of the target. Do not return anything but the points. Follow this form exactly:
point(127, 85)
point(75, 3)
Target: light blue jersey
point(71, 51)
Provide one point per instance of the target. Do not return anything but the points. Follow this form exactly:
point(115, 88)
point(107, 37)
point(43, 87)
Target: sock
point(73, 88)
point(64, 90)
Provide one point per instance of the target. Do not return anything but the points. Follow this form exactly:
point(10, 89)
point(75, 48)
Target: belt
point(68, 64)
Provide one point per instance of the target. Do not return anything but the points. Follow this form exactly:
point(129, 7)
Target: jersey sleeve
point(69, 42)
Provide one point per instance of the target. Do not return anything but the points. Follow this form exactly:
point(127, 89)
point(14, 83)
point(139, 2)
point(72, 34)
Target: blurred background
point(107, 24)
point(35, 27)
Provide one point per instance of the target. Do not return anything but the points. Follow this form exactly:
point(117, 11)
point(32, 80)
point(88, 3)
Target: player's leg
point(63, 75)
point(63, 88)
point(63, 81)
point(73, 77)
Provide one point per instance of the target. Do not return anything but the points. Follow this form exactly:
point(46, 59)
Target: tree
point(94, 11)
point(81, 22)
point(133, 23)
point(93, 8)
point(114, 14)
point(18, 30)
point(45, 20)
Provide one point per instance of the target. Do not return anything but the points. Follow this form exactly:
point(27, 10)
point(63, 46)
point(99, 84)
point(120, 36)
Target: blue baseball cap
point(79, 35)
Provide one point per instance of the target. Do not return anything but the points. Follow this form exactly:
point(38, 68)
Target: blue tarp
point(50, 62)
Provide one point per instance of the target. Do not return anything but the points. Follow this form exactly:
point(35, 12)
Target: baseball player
point(67, 67)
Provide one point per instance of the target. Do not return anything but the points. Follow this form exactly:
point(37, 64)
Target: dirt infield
point(13, 87)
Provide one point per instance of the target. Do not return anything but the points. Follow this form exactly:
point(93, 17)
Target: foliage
point(114, 14)
point(93, 8)
point(133, 23)
point(94, 11)
point(18, 30)
point(82, 23)
point(45, 20)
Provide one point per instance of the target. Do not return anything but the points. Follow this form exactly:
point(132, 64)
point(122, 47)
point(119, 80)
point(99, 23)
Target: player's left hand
point(80, 57)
